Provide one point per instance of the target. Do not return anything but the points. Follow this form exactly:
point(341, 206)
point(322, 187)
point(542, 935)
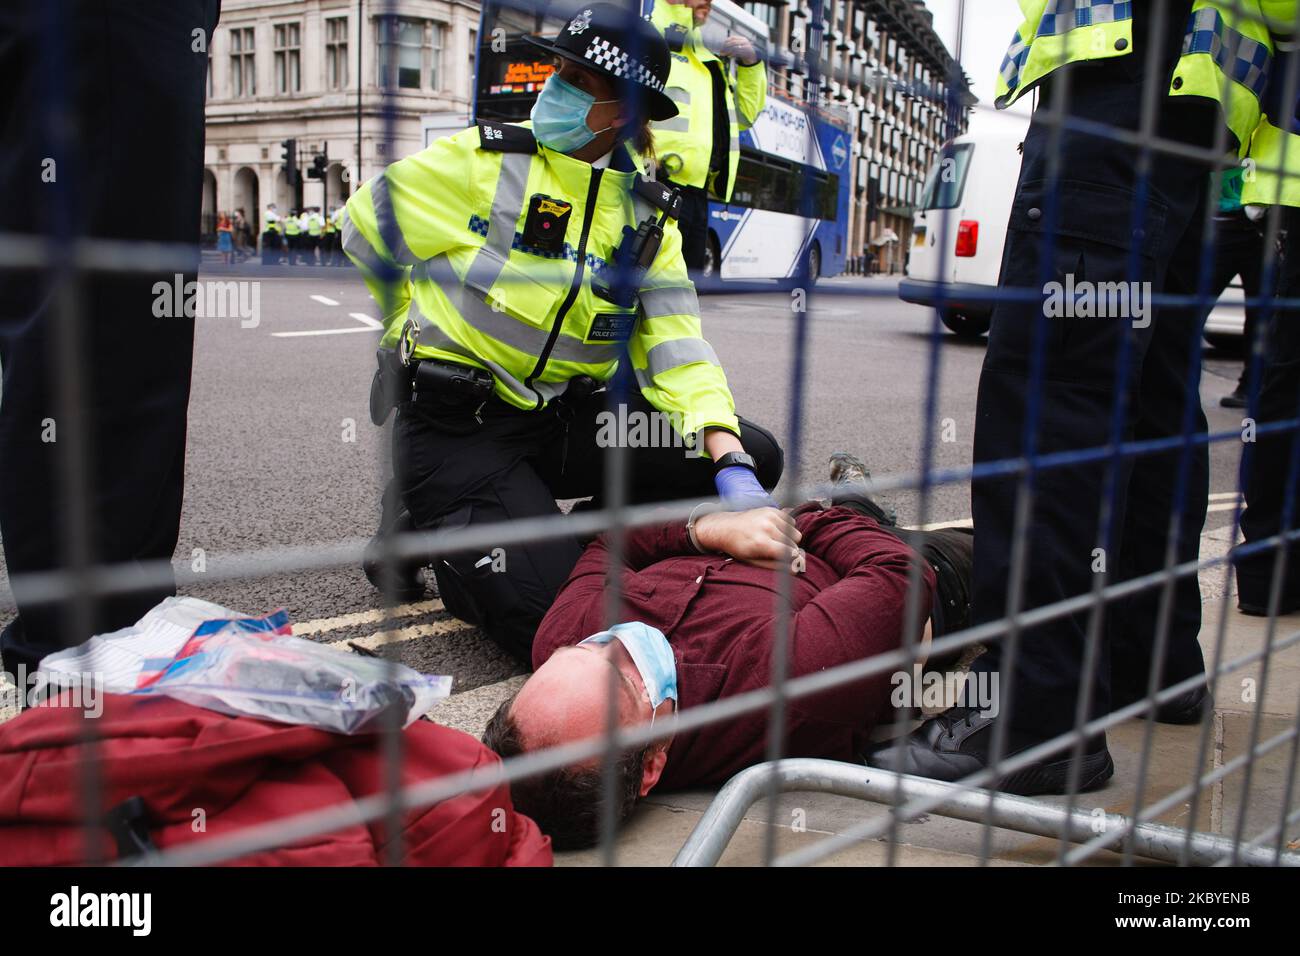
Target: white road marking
point(368, 324)
point(291, 335)
point(324, 300)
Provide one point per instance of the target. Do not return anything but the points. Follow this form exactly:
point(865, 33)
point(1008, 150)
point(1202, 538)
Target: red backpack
point(173, 774)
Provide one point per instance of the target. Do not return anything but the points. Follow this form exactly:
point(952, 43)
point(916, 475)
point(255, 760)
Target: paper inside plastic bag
point(230, 668)
point(210, 656)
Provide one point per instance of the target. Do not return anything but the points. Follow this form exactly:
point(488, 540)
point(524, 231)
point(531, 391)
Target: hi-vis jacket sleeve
point(677, 370)
point(408, 214)
point(1282, 13)
point(751, 92)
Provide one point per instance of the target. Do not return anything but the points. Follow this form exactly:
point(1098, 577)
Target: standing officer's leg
point(1266, 480)
point(1160, 406)
point(693, 224)
point(137, 366)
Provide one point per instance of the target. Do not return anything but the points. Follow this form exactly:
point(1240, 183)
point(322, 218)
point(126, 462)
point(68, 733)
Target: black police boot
point(956, 744)
point(1189, 707)
point(1237, 398)
point(405, 581)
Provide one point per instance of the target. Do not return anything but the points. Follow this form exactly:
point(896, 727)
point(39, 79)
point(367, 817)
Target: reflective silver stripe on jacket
point(358, 247)
point(676, 353)
point(504, 327)
point(386, 220)
point(669, 300)
point(681, 123)
point(434, 337)
point(507, 207)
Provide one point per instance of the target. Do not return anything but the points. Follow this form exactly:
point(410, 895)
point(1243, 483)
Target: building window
point(336, 53)
point(243, 70)
point(473, 54)
point(435, 56)
point(407, 48)
point(288, 59)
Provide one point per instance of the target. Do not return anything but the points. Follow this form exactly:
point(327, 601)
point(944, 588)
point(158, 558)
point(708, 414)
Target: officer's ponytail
point(643, 140)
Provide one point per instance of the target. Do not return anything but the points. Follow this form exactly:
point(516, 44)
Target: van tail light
point(968, 237)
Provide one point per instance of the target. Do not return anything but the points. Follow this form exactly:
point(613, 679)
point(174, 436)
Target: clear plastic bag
point(228, 667)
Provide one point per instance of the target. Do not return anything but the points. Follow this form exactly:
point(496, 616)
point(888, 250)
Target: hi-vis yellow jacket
point(1272, 176)
point(1226, 59)
point(454, 240)
point(697, 82)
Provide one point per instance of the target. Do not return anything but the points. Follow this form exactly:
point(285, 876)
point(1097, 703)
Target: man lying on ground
point(701, 605)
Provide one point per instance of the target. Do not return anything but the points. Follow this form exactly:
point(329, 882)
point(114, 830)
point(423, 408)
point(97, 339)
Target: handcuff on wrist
point(698, 512)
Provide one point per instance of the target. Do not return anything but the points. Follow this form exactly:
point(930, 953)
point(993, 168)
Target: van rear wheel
point(964, 324)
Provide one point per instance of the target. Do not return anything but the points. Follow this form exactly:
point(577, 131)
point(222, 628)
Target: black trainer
point(956, 744)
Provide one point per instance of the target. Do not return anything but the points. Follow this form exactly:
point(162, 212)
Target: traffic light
point(318, 164)
point(289, 160)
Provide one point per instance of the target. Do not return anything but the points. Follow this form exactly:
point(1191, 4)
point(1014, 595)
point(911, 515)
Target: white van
point(961, 223)
point(965, 204)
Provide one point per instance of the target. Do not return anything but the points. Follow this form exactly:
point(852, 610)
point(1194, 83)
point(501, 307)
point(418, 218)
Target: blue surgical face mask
point(560, 116)
point(652, 655)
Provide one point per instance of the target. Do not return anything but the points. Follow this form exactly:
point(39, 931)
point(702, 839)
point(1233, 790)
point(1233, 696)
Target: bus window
point(749, 174)
point(947, 178)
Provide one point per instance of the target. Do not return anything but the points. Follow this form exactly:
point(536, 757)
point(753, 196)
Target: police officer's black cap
point(615, 41)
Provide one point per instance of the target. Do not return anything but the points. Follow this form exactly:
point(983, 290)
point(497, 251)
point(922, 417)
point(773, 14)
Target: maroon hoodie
point(719, 616)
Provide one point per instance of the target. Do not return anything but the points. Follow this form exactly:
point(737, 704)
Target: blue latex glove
point(739, 488)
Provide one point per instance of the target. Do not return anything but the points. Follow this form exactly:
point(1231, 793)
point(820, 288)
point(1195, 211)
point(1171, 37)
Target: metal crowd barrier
point(83, 581)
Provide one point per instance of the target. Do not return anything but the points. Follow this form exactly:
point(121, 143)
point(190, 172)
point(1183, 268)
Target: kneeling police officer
point(515, 266)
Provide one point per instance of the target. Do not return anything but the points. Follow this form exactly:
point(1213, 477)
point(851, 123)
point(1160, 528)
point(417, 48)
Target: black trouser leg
point(1133, 622)
point(1266, 484)
point(1093, 235)
point(660, 467)
point(136, 380)
point(693, 223)
point(1239, 250)
point(454, 473)
point(480, 476)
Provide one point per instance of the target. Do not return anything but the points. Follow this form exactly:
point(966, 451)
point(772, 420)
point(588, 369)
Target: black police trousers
point(132, 79)
point(1080, 227)
point(454, 472)
point(1267, 466)
point(693, 223)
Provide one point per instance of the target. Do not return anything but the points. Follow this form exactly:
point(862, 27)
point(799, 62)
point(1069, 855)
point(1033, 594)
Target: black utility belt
point(435, 382)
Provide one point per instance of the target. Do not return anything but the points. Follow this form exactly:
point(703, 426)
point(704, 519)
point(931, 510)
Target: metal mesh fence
point(70, 261)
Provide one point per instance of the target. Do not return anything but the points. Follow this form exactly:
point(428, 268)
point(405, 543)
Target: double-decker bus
point(789, 209)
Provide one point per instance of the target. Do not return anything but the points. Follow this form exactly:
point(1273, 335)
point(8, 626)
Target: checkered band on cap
point(609, 57)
